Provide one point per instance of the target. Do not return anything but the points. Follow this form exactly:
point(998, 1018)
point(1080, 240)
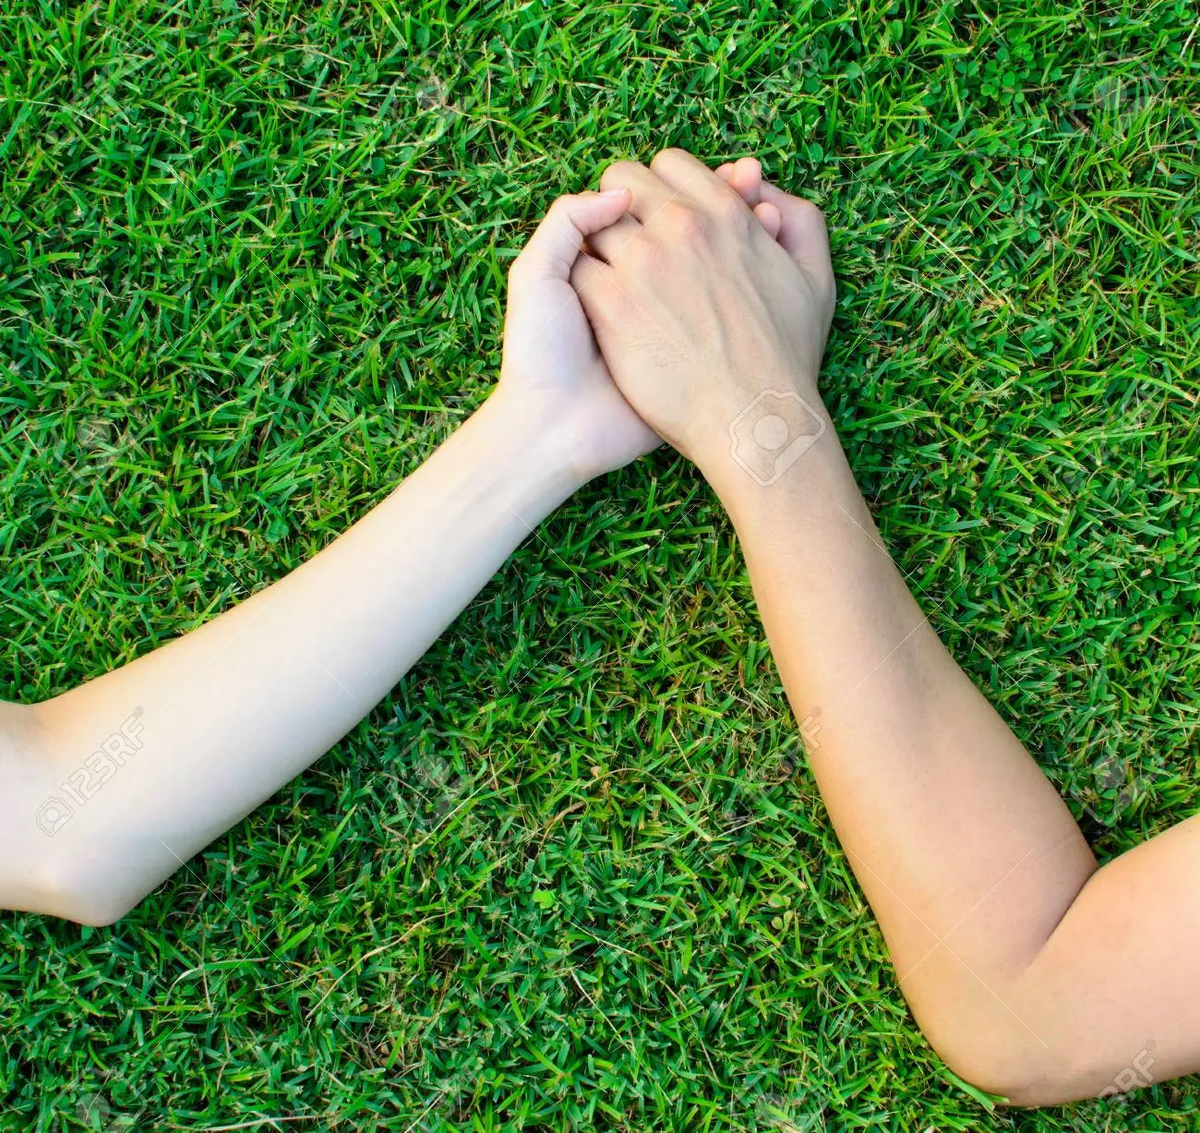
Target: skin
point(182, 743)
point(1035, 974)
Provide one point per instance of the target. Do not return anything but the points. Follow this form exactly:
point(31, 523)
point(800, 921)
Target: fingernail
point(612, 192)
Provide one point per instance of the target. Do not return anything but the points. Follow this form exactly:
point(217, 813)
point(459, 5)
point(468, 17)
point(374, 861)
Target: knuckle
point(516, 269)
point(610, 295)
point(617, 175)
point(559, 212)
point(601, 297)
point(811, 212)
point(683, 220)
point(641, 255)
point(731, 209)
point(580, 279)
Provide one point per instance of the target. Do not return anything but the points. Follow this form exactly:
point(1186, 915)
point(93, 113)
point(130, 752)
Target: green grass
point(575, 874)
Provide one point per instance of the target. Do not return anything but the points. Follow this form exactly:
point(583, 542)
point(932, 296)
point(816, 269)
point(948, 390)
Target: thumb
point(554, 245)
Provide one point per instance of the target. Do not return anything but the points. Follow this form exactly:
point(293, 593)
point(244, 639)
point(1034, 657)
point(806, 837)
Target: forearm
point(195, 735)
point(967, 854)
point(713, 320)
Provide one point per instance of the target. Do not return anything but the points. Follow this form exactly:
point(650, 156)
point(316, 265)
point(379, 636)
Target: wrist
point(764, 438)
point(522, 431)
point(814, 497)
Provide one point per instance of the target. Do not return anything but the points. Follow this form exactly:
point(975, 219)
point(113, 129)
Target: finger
point(802, 231)
point(692, 180)
point(586, 272)
point(649, 192)
point(769, 217)
point(593, 282)
point(746, 178)
point(554, 245)
point(608, 242)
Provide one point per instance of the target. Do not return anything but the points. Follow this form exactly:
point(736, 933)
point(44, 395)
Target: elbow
point(81, 867)
point(1011, 1062)
point(1013, 1073)
point(97, 912)
point(79, 890)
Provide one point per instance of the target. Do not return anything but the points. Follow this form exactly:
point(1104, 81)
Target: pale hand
point(552, 368)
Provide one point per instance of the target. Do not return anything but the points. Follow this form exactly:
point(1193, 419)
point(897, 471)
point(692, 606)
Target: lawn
point(573, 873)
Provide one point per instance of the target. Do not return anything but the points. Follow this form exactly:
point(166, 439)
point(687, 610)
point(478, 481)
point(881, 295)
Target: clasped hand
point(665, 305)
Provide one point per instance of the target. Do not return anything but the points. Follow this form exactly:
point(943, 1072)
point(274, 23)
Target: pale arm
point(217, 721)
point(188, 739)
